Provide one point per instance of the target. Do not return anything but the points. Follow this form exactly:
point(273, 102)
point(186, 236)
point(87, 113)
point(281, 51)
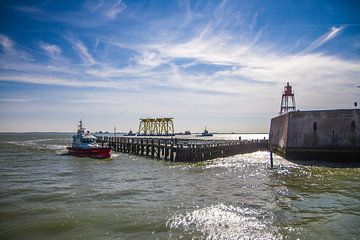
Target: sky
point(219, 64)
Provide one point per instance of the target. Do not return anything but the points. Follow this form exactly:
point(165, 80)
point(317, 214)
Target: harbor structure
point(181, 150)
point(156, 126)
point(332, 135)
point(287, 100)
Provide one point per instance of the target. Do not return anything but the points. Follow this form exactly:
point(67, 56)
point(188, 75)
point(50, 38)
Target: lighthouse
point(287, 100)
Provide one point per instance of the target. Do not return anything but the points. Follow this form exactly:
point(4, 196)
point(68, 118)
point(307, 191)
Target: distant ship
point(205, 133)
point(130, 133)
point(84, 145)
point(184, 133)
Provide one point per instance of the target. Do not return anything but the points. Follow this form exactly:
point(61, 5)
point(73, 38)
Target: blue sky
point(222, 64)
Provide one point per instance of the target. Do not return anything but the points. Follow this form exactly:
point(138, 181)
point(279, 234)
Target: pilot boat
point(205, 133)
point(84, 145)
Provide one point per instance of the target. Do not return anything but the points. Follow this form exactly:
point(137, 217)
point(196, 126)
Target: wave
point(41, 144)
point(225, 222)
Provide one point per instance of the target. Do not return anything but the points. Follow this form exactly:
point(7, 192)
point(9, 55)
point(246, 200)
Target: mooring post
point(152, 148)
point(147, 147)
point(120, 145)
point(271, 153)
point(158, 148)
point(172, 151)
point(133, 146)
point(165, 149)
point(123, 145)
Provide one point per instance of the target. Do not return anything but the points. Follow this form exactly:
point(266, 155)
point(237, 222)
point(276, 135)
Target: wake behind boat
point(84, 145)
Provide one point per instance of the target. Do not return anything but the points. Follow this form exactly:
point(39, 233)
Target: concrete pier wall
point(336, 128)
point(279, 131)
point(304, 133)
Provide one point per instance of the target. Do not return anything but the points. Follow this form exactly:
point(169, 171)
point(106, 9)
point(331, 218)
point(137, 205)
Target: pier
point(181, 150)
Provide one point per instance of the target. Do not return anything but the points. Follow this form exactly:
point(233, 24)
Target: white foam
point(39, 144)
point(225, 222)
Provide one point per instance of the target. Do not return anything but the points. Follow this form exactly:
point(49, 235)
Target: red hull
point(103, 152)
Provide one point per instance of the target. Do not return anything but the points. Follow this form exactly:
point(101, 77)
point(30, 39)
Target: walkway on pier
point(182, 150)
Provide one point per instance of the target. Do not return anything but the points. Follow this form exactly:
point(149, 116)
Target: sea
point(46, 194)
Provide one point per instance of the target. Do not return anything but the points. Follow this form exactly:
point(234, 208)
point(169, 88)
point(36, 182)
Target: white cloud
point(82, 51)
point(91, 14)
point(115, 9)
point(250, 66)
point(246, 74)
point(92, 6)
point(27, 9)
point(53, 50)
point(11, 52)
point(150, 59)
point(51, 80)
point(334, 32)
point(331, 34)
point(6, 43)
point(17, 100)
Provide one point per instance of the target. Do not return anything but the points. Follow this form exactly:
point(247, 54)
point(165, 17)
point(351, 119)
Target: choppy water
point(47, 195)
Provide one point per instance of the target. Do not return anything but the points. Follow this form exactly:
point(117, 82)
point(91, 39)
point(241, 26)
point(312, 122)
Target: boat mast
point(80, 127)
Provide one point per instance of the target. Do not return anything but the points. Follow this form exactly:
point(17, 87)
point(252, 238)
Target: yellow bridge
point(156, 127)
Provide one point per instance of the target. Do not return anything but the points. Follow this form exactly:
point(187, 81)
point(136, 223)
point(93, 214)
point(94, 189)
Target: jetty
point(329, 135)
point(180, 149)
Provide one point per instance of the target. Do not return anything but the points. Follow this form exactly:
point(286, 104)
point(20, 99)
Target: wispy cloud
point(115, 9)
point(150, 58)
point(198, 63)
point(6, 43)
point(17, 100)
point(333, 33)
point(57, 81)
point(82, 51)
point(10, 51)
point(249, 64)
point(88, 14)
point(53, 50)
point(28, 9)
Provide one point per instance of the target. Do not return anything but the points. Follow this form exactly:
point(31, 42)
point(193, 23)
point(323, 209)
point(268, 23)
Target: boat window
point(352, 126)
point(87, 140)
point(314, 126)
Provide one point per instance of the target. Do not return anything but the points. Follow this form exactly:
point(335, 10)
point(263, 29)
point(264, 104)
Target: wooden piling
point(183, 150)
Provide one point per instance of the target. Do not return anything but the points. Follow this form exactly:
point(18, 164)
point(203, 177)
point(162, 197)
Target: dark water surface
point(47, 195)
